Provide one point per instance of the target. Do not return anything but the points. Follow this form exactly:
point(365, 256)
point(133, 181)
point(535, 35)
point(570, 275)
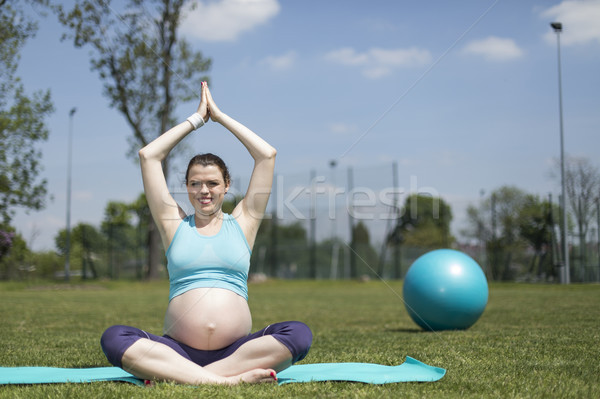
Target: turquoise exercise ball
point(445, 290)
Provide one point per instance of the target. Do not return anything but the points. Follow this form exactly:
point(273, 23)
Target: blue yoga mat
point(49, 375)
point(410, 370)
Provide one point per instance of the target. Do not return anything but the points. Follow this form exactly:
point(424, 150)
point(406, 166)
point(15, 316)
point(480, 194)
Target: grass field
point(532, 340)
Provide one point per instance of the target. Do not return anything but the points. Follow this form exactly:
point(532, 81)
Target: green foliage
point(229, 205)
point(511, 224)
point(22, 118)
point(361, 234)
point(544, 349)
point(424, 222)
point(280, 248)
point(15, 29)
point(536, 226)
point(118, 247)
point(18, 262)
point(504, 240)
point(582, 181)
point(122, 236)
point(7, 235)
point(284, 250)
point(366, 257)
point(508, 223)
point(45, 264)
point(14, 255)
point(87, 247)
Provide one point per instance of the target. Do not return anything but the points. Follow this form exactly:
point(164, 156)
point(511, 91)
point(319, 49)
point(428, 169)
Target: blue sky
point(462, 95)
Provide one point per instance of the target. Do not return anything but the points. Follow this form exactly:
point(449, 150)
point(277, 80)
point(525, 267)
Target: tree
point(536, 226)
point(119, 242)
point(13, 263)
point(7, 238)
point(87, 244)
point(120, 235)
point(22, 119)
point(582, 181)
point(425, 222)
point(139, 208)
point(284, 245)
point(366, 254)
point(146, 68)
point(496, 222)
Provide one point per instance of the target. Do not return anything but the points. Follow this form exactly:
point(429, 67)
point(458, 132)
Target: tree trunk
point(506, 272)
point(167, 40)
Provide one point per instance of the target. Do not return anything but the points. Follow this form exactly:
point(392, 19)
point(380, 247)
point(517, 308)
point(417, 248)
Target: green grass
point(532, 340)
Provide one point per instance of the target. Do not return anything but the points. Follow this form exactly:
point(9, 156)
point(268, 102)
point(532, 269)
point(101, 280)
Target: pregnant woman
point(207, 329)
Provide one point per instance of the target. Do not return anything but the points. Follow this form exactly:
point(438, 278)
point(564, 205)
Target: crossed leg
point(255, 358)
point(262, 353)
point(253, 362)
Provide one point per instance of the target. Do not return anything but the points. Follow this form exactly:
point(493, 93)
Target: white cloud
point(494, 49)
point(580, 19)
point(225, 20)
point(347, 56)
point(281, 62)
point(377, 62)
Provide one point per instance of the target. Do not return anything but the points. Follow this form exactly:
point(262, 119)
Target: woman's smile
point(206, 187)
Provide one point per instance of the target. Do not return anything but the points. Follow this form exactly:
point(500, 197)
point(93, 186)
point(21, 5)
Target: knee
point(108, 337)
point(116, 340)
point(304, 337)
point(297, 336)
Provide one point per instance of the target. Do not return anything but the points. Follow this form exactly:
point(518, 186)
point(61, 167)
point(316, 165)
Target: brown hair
point(206, 160)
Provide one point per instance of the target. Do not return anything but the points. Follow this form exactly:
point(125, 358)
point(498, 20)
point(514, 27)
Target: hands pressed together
point(207, 108)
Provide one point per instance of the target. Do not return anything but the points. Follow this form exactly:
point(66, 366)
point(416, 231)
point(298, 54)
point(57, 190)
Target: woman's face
point(206, 189)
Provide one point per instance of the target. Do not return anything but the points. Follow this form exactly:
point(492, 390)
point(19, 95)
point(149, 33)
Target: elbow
point(143, 154)
point(148, 153)
point(265, 154)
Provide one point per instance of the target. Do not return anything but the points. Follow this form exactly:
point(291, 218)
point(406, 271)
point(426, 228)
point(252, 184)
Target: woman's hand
point(203, 107)
point(213, 111)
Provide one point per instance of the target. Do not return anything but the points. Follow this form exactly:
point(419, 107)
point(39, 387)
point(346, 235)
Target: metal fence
point(307, 233)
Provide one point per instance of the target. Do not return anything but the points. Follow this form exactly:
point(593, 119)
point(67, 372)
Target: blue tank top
point(219, 261)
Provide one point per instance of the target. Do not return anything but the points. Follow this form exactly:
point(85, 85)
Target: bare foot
point(254, 377)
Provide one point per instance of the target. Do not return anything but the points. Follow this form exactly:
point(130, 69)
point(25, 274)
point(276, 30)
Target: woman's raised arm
point(250, 211)
point(165, 211)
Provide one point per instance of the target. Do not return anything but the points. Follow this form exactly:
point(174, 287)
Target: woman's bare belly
point(208, 318)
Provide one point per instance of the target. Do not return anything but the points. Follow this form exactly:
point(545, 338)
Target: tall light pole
point(332, 202)
point(335, 251)
point(566, 279)
point(69, 156)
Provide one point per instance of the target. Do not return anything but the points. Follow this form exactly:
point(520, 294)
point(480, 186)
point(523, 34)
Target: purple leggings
point(295, 335)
